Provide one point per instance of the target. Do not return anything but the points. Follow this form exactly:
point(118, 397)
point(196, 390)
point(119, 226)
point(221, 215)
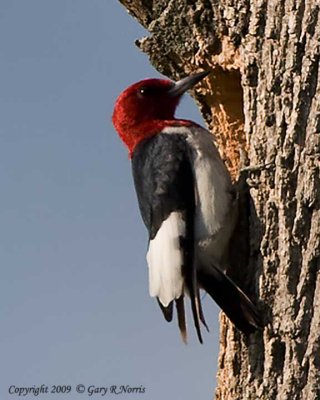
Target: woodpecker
point(186, 200)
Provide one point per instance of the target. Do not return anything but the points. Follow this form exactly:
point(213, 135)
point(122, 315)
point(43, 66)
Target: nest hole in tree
point(224, 112)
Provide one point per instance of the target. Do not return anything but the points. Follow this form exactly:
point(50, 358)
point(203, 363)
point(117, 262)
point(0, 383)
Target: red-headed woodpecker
point(186, 200)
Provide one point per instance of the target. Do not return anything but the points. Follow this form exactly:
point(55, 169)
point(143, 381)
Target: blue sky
point(74, 299)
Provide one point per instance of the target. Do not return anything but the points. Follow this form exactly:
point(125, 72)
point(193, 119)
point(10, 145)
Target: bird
point(187, 203)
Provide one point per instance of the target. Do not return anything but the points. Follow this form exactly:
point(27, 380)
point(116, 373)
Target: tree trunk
point(262, 102)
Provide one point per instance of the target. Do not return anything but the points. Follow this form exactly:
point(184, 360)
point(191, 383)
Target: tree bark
point(262, 102)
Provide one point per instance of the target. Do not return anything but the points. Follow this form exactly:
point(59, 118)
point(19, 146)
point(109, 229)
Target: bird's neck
point(135, 134)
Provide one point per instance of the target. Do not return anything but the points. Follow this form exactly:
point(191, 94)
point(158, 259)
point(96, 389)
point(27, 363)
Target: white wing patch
point(165, 260)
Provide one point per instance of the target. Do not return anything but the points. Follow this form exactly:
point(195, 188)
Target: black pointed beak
point(187, 83)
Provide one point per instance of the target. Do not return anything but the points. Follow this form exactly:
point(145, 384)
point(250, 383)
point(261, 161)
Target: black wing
point(164, 183)
point(163, 179)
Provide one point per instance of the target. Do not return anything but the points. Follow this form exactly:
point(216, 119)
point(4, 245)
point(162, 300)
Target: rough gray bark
point(262, 100)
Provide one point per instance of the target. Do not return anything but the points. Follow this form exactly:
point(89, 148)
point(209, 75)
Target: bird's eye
point(144, 91)
point(152, 91)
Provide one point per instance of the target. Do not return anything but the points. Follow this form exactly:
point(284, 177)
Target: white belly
point(215, 201)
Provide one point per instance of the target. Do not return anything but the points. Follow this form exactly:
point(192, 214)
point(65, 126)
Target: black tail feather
point(195, 307)
point(181, 318)
point(167, 311)
point(201, 314)
point(231, 299)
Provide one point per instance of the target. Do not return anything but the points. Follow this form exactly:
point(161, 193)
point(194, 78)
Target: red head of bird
point(148, 106)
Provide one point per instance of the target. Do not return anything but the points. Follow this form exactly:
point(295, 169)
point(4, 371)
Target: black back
point(163, 179)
